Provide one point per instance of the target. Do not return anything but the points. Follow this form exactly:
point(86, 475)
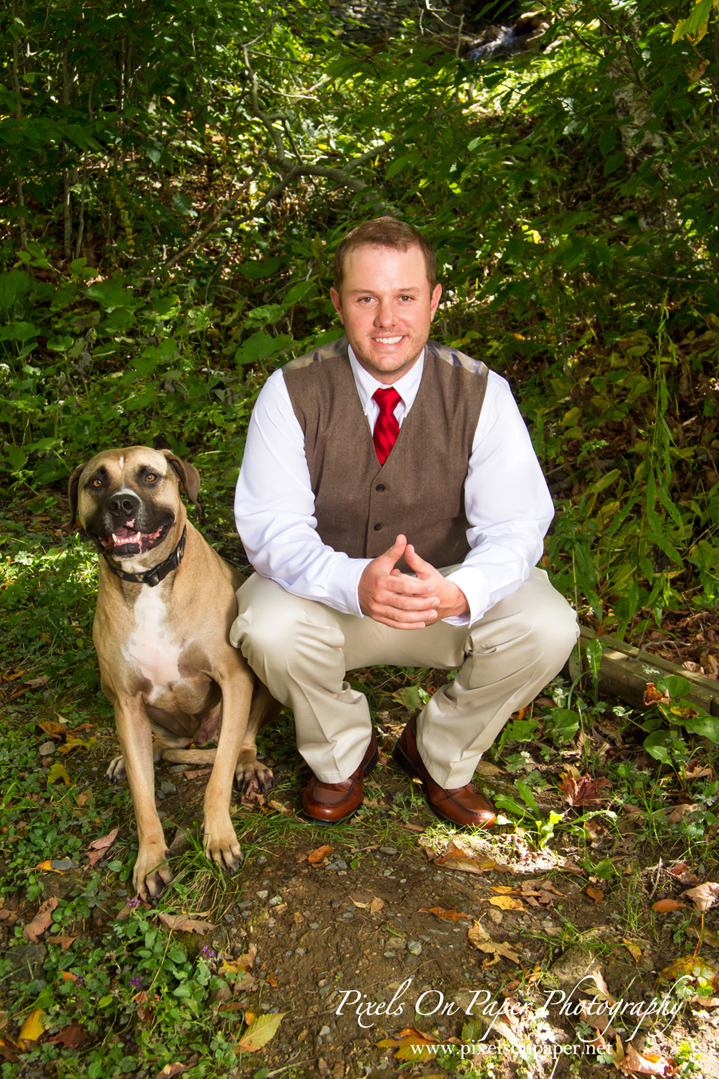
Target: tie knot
point(387, 400)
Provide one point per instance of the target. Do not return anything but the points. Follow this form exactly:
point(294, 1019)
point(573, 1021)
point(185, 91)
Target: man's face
point(386, 308)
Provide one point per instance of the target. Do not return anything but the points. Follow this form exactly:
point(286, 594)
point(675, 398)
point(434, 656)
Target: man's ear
point(72, 493)
point(187, 474)
point(337, 303)
point(434, 301)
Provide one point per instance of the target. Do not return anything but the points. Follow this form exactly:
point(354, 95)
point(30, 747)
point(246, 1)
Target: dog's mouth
point(127, 541)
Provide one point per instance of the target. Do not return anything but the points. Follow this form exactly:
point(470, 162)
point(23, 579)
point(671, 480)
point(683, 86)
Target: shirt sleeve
point(274, 509)
point(507, 503)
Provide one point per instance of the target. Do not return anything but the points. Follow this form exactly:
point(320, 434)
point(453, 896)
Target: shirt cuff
point(476, 588)
point(342, 584)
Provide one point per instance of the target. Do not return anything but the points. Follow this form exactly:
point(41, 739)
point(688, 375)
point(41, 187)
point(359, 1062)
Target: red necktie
point(386, 428)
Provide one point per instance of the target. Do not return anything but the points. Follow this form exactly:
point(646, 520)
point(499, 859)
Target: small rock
point(47, 749)
point(388, 850)
point(261, 860)
point(275, 901)
point(389, 955)
point(324, 1032)
point(414, 947)
point(263, 894)
point(314, 925)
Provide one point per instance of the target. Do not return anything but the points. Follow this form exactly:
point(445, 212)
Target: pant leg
point(302, 649)
point(511, 654)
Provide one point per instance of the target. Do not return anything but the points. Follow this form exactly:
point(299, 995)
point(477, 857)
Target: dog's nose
point(123, 505)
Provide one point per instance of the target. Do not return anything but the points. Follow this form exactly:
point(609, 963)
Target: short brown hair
point(385, 232)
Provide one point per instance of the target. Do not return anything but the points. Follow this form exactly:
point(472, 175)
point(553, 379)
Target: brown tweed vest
point(361, 506)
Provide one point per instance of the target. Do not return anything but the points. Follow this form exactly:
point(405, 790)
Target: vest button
point(379, 487)
point(378, 528)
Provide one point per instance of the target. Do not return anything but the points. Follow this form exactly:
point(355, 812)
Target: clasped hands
point(405, 602)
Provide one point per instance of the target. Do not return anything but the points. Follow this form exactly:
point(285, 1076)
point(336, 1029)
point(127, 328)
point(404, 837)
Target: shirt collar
point(406, 387)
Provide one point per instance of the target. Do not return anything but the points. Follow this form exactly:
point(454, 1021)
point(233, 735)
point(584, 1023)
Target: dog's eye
point(150, 477)
point(96, 484)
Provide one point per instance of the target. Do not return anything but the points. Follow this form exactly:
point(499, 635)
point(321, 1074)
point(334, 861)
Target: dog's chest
point(151, 647)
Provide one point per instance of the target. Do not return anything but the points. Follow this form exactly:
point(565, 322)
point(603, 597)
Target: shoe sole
point(303, 815)
point(400, 758)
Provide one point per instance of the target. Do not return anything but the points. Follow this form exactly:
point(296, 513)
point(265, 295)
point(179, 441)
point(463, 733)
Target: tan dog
point(165, 606)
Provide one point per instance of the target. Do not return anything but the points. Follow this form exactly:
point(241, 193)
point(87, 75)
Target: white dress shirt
point(507, 503)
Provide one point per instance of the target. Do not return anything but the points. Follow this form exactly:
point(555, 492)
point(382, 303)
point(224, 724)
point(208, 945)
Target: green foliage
point(173, 210)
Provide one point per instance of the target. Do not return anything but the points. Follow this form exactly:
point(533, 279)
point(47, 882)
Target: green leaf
point(260, 1032)
point(525, 793)
point(260, 346)
point(593, 653)
point(656, 745)
point(503, 801)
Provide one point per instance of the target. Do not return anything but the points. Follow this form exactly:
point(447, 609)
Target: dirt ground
point(371, 950)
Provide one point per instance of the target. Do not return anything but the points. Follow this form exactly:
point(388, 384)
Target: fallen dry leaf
point(448, 915)
point(271, 979)
point(486, 769)
point(455, 858)
point(480, 939)
point(64, 942)
point(33, 1027)
point(634, 950)
point(703, 896)
point(172, 1069)
point(260, 1032)
point(182, 923)
point(98, 847)
point(653, 696)
point(41, 921)
point(583, 792)
point(376, 905)
point(318, 857)
point(664, 905)
point(195, 774)
point(646, 1063)
point(70, 1037)
point(595, 893)
point(681, 811)
point(506, 902)
point(683, 873)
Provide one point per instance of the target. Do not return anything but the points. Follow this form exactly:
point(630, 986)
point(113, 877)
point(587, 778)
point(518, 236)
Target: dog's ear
point(188, 475)
point(72, 493)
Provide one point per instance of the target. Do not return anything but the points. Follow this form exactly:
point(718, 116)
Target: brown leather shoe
point(330, 803)
point(461, 805)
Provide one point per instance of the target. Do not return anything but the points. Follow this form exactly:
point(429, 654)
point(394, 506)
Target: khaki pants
point(302, 650)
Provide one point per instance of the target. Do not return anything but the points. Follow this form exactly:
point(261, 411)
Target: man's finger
point(415, 563)
point(393, 553)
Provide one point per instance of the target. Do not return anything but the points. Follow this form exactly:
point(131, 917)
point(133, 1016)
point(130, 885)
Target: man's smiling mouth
point(388, 340)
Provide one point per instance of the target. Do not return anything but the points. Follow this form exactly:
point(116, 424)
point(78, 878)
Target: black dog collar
point(157, 573)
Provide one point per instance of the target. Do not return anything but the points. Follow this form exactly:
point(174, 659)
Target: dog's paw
point(116, 771)
point(152, 873)
point(222, 846)
point(252, 775)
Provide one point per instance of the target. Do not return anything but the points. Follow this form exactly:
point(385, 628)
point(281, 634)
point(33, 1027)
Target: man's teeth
point(389, 340)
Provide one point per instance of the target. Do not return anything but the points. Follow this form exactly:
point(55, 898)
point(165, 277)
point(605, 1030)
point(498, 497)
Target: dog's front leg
point(220, 840)
point(151, 872)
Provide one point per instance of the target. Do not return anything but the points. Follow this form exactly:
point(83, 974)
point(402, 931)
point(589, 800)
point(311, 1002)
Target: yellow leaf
point(633, 950)
point(33, 1027)
point(506, 902)
point(260, 1032)
point(58, 771)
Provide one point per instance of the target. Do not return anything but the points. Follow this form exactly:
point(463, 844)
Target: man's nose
point(384, 316)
